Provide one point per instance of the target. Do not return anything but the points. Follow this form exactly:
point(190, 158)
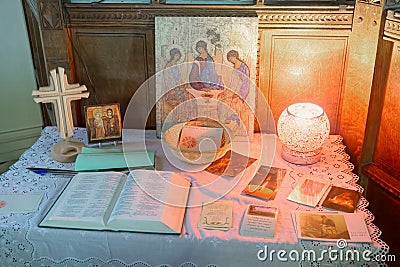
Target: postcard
point(217, 215)
point(19, 203)
point(309, 191)
point(342, 199)
point(195, 138)
point(331, 226)
point(231, 164)
point(265, 183)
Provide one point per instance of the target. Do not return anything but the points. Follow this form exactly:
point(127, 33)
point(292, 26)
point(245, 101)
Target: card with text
point(19, 203)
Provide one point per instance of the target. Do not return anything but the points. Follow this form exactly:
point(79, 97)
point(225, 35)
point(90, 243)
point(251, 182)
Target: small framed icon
point(103, 123)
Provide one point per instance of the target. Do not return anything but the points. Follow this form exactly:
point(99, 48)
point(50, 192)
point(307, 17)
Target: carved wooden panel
point(117, 61)
point(304, 66)
point(361, 65)
point(388, 142)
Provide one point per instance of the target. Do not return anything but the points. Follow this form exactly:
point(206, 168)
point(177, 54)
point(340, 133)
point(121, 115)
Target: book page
point(87, 201)
point(150, 210)
point(135, 203)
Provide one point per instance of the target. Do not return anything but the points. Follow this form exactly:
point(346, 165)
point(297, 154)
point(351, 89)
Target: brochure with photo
point(329, 226)
point(265, 183)
point(259, 221)
point(342, 199)
point(309, 191)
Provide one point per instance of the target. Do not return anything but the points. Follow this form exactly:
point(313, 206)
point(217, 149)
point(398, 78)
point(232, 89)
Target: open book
point(143, 201)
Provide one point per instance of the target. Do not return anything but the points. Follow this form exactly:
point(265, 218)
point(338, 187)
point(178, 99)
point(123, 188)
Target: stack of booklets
point(117, 202)
point(217, 215)
point(259, 221)
point(330, 226)
point(311, 191)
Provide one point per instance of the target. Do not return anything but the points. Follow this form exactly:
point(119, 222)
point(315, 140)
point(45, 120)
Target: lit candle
point(303, 128)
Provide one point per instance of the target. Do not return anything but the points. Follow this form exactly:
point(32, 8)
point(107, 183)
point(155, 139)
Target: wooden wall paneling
point(379, 81)
point(53, 34)
point(380, 167)
point(387, 149)
point(363, 48)
point(304, 66)
point(33, 26)
point(117, 60)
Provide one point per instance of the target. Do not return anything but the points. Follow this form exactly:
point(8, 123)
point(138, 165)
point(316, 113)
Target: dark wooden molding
point(50, 13)
point(269, 16)
point(383, 179)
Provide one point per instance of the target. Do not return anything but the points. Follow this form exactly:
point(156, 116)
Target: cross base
point(66, 150)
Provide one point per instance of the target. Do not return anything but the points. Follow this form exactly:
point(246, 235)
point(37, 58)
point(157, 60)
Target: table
point(22, 243)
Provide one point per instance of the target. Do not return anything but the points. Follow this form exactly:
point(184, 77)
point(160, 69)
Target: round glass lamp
point(302, 129)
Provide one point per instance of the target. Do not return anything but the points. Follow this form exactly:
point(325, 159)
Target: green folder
point(94, 159)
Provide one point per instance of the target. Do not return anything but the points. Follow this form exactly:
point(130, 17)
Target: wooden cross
point(60, 93)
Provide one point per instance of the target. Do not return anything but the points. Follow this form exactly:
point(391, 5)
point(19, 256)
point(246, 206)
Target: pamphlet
point(217, 215)
point(196, 138)
point(265, 183)
point(342, 199)
point(309, 191)
point(19, 203)
point(259, 221)
point(329, 226)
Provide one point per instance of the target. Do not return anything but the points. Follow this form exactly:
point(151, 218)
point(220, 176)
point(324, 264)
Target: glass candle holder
point(303, 129)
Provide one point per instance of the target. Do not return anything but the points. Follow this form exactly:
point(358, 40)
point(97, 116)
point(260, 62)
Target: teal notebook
point(92, 159)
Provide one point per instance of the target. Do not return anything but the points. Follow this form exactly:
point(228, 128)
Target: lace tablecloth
point(22, 243)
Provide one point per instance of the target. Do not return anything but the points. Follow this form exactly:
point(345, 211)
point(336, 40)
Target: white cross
point(60, 93)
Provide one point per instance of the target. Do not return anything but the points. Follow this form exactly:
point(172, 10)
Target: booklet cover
point(329, 226)
point(265, 183)
point(309, 191)
point(217, 215)
point(259, 221)
point(342, 199)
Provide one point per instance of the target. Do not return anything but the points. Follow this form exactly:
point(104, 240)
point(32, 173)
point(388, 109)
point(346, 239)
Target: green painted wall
point(20, 122)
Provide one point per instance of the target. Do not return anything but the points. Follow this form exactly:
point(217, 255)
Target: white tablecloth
point(23, 243)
